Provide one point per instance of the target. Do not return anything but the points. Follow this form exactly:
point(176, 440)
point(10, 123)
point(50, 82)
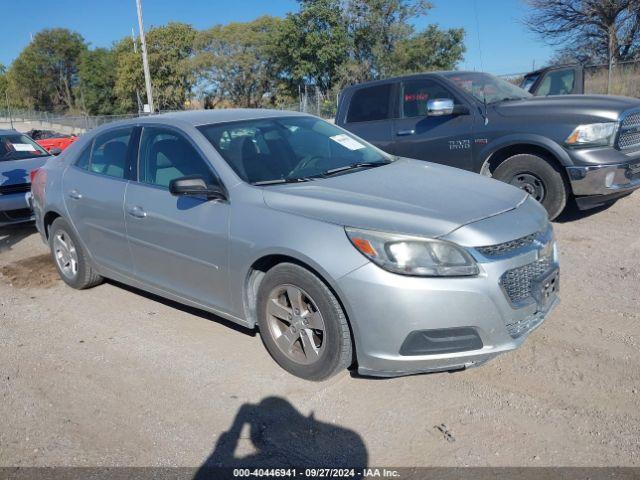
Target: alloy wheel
point(65, 254)
point(295, 324)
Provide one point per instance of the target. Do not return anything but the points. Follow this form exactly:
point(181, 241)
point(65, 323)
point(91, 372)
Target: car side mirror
point(439, 107)
point(55, 151)
point(195, 186)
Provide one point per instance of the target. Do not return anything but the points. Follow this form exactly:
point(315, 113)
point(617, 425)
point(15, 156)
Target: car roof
point(438, 73)
point(8, 132)
point(205, 117)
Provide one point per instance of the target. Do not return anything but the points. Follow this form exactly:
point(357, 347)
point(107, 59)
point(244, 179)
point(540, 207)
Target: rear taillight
point(32, 174)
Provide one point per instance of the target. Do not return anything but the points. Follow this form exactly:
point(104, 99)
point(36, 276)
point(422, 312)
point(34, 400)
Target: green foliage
point(45, 73)
point(432, 49)
point(169, 50)
point(235, 63)
point(385, 43)
point(313, 44)
point(3, 86)
point(325, 45)
point(96, 82)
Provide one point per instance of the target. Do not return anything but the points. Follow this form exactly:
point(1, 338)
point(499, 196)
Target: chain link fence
point(46, 120)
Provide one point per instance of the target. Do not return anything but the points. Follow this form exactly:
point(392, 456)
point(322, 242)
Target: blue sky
point(506, 45)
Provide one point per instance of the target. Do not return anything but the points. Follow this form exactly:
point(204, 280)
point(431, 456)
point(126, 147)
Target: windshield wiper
point(355, 166)
point(508, 99)
point(277, 181)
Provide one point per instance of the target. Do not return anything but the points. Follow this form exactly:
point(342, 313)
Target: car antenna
point(484, 102)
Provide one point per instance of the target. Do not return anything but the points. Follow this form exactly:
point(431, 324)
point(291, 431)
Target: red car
point(50, 140)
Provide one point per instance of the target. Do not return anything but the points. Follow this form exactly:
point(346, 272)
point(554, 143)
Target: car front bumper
point(15, 208)
point(385, 309)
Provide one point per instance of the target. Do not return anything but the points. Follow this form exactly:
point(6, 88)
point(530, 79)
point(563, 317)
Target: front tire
point(541, 179)
point(302, 324)
point(69, 257)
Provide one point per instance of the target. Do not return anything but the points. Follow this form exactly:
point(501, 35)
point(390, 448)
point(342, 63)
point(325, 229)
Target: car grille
point(15, 188)
point(629, 132)
point(505, 248)
point(516, 329)
point(516, 282)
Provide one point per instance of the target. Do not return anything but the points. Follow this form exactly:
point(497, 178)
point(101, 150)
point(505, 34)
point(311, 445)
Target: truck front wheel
point(539, 178)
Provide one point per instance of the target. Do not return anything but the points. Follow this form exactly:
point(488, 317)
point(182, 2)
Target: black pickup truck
point(553, 147)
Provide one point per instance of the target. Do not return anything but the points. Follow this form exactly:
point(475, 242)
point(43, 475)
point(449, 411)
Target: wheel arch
point(48, 219)
point(494, 154)
point(266, 262)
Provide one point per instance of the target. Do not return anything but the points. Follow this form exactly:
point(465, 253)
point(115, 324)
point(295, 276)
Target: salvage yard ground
point(114, 376)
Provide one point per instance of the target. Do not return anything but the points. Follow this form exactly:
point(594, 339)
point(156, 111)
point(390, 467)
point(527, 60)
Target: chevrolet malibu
point(340, 254)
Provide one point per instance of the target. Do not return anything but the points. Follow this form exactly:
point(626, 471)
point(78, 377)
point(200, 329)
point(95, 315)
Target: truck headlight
point(593, 134)
point(409, 255)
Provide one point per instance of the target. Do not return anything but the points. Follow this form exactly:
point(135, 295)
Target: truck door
point(445, 139)
point(370, 115)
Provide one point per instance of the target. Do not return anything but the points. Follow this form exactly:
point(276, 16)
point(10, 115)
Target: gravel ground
point(113, 376)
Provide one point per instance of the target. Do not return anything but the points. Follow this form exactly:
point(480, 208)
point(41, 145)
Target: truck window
point(416, 94)
point(369, 104)
point(557, 82)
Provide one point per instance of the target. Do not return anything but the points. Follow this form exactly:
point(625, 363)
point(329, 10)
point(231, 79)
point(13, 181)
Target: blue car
point(19, 156)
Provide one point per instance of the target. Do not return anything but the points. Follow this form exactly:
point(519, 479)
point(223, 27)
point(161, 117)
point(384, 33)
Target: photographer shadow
point(281, 437)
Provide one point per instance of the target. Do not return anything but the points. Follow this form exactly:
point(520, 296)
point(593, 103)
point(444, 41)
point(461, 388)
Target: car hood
point(14, 172)
point(406, 196)
point(605, 107)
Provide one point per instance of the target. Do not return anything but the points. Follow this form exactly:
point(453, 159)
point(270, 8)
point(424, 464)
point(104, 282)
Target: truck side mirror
point(439, 106)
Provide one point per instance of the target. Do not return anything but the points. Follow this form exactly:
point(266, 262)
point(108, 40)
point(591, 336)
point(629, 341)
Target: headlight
point(408, 255)
point(594, 134)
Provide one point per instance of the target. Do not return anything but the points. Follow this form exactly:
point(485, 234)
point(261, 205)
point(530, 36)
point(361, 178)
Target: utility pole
point(145, 61)
point(135, 50)
point(6, 94)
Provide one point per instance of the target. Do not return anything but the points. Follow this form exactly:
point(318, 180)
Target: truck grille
point(15, 188)
point(629, 137)
point(516, 282)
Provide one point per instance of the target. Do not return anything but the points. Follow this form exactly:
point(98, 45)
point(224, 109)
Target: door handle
point(402, 133)
point(76, 195)
point(136, 211)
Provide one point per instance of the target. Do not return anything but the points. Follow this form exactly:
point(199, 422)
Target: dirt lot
point(112, 376)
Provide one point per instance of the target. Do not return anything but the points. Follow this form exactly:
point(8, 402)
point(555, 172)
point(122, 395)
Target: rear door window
point(370, 104)
point(109, 153)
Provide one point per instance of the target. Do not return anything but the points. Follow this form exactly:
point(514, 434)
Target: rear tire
point(302, 324)
point(69, 257)
point(541, 179)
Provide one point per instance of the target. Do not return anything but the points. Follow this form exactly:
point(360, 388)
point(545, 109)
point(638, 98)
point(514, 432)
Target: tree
point(606, 29)
point(385, 43)
point(169, 50)
point(3, 86)
point(432, 49)
point(45, 73)
point(313, 44)
point(235, 63)
point(96, 85)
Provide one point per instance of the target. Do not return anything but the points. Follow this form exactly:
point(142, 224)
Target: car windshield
point(486, 87)
point(16, 146)
point(290, 149)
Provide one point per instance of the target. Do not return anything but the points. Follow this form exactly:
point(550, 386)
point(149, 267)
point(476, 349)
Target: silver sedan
point(340, 254)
